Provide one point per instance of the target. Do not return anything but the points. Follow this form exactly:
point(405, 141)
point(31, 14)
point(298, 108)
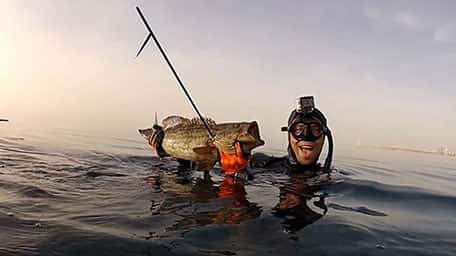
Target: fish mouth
point(254, 131)
point(251, 138)
point(146, 133)
point(246, 134)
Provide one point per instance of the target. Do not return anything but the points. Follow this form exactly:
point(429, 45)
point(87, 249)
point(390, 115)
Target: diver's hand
point(233, 163)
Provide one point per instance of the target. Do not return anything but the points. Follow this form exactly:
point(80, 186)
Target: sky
point(381, 71)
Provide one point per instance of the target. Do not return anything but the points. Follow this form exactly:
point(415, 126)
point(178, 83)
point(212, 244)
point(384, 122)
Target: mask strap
point(327, 165)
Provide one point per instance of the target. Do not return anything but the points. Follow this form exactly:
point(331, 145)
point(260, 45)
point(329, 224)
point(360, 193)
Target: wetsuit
point(282, 164)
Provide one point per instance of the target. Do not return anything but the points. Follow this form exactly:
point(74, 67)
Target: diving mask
point(308, 130)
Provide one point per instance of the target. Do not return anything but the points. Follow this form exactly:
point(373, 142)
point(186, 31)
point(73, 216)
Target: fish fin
point(203, 150)
point(198, 121)
point(228, 149)
point(205, 165)
point(172, 121)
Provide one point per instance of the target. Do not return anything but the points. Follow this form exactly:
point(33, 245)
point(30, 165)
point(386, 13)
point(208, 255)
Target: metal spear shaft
point(151, 34)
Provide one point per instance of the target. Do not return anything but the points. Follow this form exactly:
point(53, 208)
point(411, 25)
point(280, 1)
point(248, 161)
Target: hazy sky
point(382, 71)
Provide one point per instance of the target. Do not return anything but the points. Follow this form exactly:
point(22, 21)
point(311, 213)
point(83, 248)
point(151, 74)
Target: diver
point(301, 201)
point(307, 129)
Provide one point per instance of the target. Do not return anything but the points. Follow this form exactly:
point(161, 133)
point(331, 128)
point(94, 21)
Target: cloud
point(445, 33)
point(439, 30)
point(407, 21)
point(372, 13)
point(403, 19)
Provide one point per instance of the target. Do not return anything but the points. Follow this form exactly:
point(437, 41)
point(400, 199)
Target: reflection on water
point(70, 193)
point(296, 197)
point(210, 203)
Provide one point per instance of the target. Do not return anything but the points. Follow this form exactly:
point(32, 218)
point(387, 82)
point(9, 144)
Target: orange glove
point(233, 163)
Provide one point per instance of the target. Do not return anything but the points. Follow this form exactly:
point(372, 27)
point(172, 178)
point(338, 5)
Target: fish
point(188, 140)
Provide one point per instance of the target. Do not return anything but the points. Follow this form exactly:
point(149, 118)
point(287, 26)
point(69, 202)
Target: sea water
point(75, 192)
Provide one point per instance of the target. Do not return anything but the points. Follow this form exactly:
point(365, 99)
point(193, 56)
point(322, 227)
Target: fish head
point(149, 132)
point(146, 133)
point(249, 137)
point(247, 134)
point(234, 142)
point(154, 137)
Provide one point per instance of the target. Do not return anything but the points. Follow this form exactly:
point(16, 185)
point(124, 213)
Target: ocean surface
point(73, 192)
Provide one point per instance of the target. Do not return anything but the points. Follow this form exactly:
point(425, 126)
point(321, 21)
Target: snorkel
point(307, 123)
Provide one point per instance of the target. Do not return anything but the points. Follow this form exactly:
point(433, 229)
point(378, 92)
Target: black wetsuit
point(282, 164)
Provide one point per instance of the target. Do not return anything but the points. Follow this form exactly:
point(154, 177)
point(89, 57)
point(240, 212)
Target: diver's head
point(306, 146)
point(307, 128)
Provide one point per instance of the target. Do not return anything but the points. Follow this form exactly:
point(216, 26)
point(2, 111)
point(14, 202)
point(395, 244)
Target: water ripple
point(115, 198)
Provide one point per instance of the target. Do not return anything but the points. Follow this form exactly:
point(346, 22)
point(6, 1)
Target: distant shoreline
point(441, 151)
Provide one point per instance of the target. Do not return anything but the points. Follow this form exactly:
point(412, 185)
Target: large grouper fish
point(188, 140)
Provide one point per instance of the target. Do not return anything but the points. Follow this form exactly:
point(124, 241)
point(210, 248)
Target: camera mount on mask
point(306, 110)
point(305, 105)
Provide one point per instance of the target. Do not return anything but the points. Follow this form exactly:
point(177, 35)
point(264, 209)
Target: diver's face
point(306, 152)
